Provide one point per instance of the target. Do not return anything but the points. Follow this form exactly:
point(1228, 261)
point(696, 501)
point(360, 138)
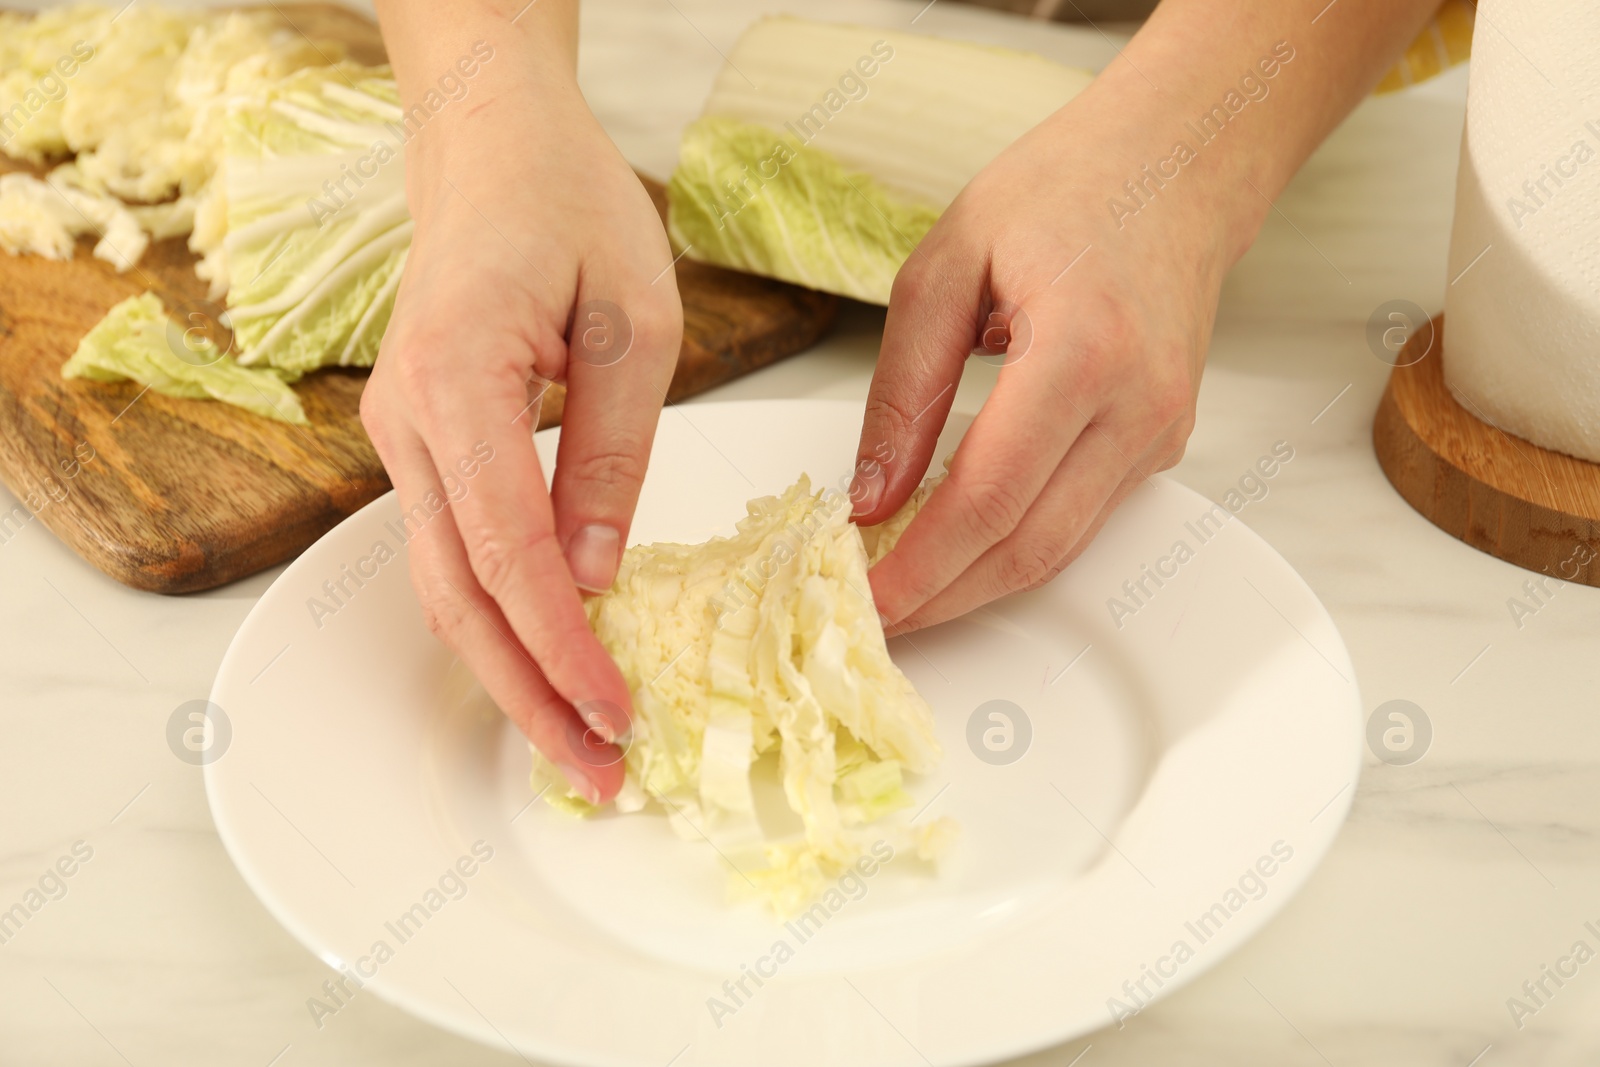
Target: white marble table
point(1455, 881)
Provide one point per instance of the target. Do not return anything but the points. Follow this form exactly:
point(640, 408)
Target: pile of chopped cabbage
point(766, 645)
point(139, 99)
point(825, 152)
point(281, 160)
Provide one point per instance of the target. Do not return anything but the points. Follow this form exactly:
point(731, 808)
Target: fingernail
point(593, 555)
point(580, 783)
point(605, 719)
point(866, 489)
point(590, 738)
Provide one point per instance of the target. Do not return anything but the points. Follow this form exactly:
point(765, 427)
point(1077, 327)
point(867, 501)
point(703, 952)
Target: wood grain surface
point(1499, 493)
point(180, 495)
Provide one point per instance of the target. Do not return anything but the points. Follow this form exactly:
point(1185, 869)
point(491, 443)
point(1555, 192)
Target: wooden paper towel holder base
point(1499, 493)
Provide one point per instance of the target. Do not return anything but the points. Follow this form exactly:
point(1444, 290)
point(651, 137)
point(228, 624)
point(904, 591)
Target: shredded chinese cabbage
point(138, 92)
point(304, 231)
point(281, 160)
point(765, 645)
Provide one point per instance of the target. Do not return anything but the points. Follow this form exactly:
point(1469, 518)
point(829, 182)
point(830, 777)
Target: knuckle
point(995, 506)
point(930, 284)
point(373, 411)
point(444, 610)
point(1184, 426)
point(658, 327)
point(500, 561)
point(1103, 349)
point(610, 471)
point(414, 375)
point(1174, 444)
point(1117, 327)
point(1180, 429)
point(1092, 366)
point(1168, 380)
point(909, 283)
point(1122, 332)
point(1025, 566)
point(1171, 398)
point(1050, 572)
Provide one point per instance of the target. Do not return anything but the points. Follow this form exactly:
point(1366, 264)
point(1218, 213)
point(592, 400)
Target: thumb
point(619, 363)
point(935, 311)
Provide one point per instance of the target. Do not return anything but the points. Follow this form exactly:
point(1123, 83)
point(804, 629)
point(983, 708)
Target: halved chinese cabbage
point(826, 152)
point(307, 230)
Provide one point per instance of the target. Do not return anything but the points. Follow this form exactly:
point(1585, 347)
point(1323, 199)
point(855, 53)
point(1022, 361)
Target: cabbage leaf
point(136, 341)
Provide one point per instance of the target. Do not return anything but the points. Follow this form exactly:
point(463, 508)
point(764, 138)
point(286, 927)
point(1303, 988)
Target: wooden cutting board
point(1500, 494)
point(175, 496)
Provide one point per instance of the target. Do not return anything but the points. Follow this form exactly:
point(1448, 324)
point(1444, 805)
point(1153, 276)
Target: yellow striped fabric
point(1446, 42)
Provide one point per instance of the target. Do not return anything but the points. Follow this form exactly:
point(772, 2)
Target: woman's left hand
point(1105, 322)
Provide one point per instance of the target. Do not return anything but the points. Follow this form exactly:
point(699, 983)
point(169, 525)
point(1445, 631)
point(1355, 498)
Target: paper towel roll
point(1522, 312)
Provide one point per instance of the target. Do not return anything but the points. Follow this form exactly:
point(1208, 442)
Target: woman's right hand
point(537, 257)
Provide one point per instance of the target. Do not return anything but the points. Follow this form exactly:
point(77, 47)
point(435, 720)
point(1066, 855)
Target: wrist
point(420, 35)
point(474, 133)
point(463, 66)
point(1152, 165)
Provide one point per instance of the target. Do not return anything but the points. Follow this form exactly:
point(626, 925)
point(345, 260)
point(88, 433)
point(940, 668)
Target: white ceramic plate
point(1185, 772)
